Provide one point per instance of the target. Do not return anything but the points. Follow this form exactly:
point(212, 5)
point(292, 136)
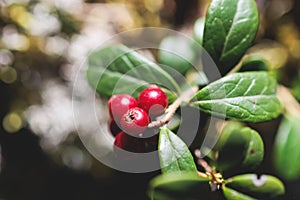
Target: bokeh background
point(42, 44)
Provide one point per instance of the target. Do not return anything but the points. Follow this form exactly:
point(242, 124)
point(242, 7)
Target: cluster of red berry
point(130, 119)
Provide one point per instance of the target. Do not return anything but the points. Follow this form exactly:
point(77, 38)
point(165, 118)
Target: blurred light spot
point(43, 22)
point(52, 120)
point(56, 45)
point(75, 158)
point(12, 122)
point(69, 5)
point(6, 57)
point(273, 52)
point(20, 15)
point(10, 2)
point(153, 6)
point(13, 40)
point(8, 75)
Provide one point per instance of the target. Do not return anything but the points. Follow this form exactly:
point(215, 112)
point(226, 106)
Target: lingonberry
point(114, 127)
point(134, 121)
point(128, 143)
point(119, 104)
point(153, 100)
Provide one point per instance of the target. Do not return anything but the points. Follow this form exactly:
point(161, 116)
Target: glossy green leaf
point(262, 187)
point(117, 69)
point(287, 148)
point(177, 52)
point(247, 96)
point(174, 155)
point(255, 149)
point(179, 186)
point(231, 194)
point(230, 28)
point(253, 63)
point(199, 30)
point(239, 146)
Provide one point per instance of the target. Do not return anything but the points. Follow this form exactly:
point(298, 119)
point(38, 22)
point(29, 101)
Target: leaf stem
point(216, 178)
point(185, 96)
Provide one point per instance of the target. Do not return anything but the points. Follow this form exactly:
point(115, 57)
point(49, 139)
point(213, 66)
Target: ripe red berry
point(119, 104)
point(153, 100)
point(114, 127)
point(134, 121)
point(128, 143)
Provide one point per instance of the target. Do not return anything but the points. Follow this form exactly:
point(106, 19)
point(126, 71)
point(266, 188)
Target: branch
point(185, 96)
point(216, 177)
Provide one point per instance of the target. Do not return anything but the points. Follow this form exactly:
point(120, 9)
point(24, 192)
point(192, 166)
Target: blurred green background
point(42, 43)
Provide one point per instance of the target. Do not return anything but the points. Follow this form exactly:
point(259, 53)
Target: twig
point(292, 107)
point(185, 96)
point(216, 180)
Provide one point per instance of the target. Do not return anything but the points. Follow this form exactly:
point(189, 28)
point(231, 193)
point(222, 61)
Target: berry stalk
point(184, 97)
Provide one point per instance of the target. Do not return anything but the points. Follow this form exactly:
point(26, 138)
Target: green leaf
point(231, 194)
point(287, 148)
point(177, 52)
point(179, 186)
point(174, 155)
point(199, 30)
point(253, 63)
point(247, 96)
point(117, 69)
point(262, 187)
point(255, 149)
point(230, 28)
point(239, 146)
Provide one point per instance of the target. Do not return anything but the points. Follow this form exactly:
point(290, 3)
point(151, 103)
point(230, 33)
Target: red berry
point(128, 143)
point(153, 100)
point(119, 104)
point(134, 121)
point(114, 127)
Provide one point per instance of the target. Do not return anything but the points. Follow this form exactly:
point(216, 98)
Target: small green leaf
point(262, 187)
point(199, 30)
point(230, 28)
point(230, 147)
point(173, 153)
point(177, 52)
point(179, 186)
point(247, 96)
point(117, 69)
point(255, 149)
point(253, 63)
point(231, 194)
point(287, 148)
point(239, 146)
